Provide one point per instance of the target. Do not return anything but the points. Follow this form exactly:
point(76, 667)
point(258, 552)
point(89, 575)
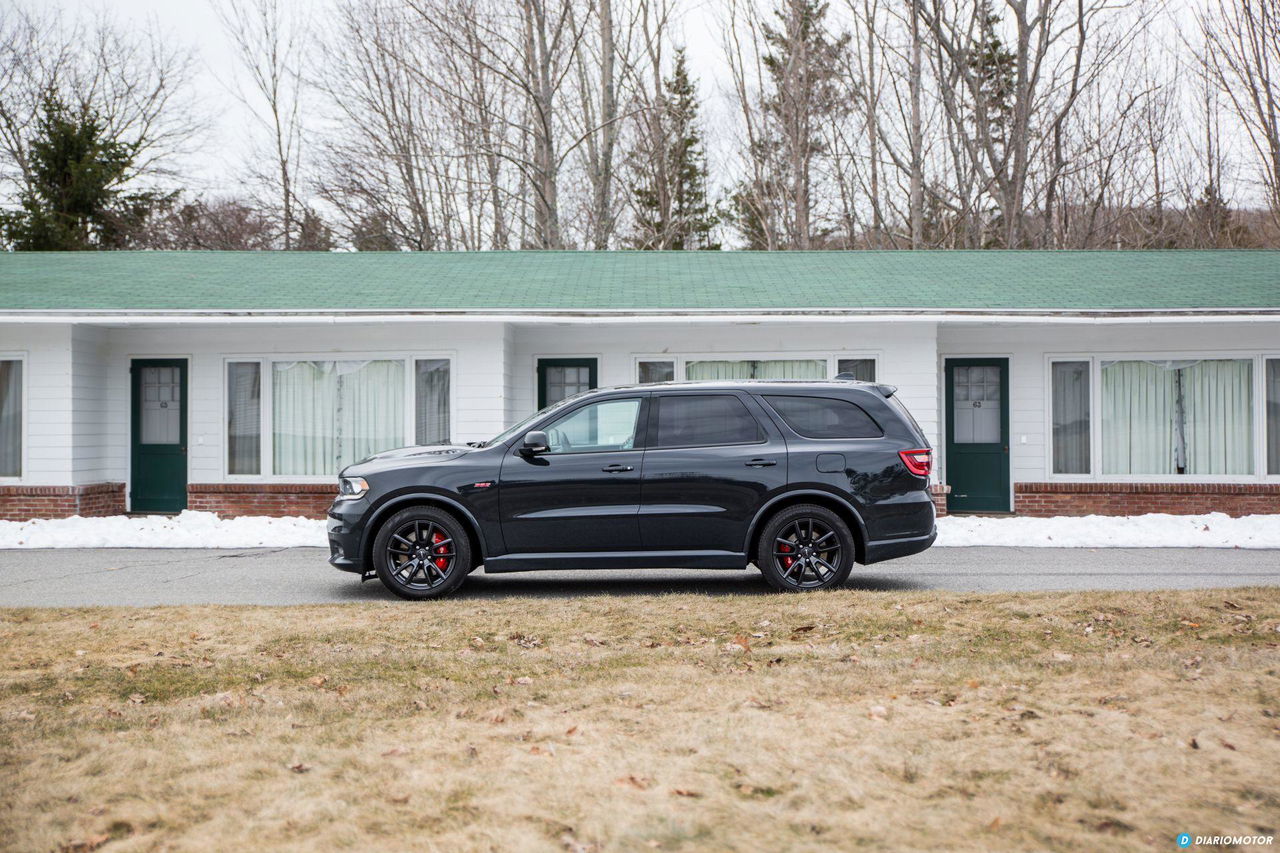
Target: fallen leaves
point(640, 783)
point(686, 792)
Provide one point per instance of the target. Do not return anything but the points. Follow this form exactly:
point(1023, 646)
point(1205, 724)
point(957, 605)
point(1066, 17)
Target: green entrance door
point(978, 434)
point(159, 443)
point(563, 377)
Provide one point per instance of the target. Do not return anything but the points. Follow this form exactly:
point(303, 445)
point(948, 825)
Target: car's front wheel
point(422, 552)
point(805, 547)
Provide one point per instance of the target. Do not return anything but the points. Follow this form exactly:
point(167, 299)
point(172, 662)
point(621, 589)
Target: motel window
point(10, 418)
point(431, 416)
point(656, 370)
point(244, 417)
point(1188, 416)
point(1273, 415)
point(863, 369)
point(325, 415)
point(1070, 406)
point(776, 368)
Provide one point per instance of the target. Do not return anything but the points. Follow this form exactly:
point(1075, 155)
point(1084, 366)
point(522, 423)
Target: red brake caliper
point(437, 537)
point(786, 561)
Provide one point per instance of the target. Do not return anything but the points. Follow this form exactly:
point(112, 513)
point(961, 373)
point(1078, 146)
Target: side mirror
point(535, 442)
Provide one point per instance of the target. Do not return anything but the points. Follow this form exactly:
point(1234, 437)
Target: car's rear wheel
point(805, 547)
point(422, 552)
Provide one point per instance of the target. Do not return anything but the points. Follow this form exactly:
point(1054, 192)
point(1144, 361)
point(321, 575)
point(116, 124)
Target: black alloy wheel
point(422, 552)
point(805, 548)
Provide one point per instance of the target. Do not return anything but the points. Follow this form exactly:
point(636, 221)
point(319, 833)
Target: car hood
point(402, 456)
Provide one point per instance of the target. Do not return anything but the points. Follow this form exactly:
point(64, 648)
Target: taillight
point(918, 462)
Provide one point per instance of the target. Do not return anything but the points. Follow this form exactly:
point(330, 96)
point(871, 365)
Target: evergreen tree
point(803, 62)
point(670, 188)
point(76, 198)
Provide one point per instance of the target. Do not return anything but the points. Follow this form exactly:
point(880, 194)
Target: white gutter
point(217, 318)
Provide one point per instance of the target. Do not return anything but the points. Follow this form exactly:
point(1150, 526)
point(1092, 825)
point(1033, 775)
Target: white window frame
point(1095, 360)
point(267, 446)
point(683, 358)
point(24, 460)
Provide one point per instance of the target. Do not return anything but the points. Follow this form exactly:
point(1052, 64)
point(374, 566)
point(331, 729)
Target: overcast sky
point(217, 166)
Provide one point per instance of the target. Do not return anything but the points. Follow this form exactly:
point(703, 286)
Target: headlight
point(350, 488)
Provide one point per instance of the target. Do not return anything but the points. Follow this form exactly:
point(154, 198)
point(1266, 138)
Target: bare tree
point(269, 38)
point(1241, 56)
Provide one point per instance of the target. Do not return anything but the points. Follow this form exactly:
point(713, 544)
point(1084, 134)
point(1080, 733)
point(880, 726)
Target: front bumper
point(345, 529)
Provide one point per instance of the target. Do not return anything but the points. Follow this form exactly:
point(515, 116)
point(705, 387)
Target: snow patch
point(206, 530)
point(184, 530)
point(1156, 530)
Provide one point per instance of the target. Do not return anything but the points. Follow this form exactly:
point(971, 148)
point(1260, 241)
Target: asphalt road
point(70, 578)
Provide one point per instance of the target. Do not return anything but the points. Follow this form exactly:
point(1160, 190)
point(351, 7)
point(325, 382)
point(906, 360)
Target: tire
point(410, 557)
point(796, 531)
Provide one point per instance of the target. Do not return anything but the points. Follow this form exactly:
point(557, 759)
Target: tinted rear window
point(687, 421)
point(823, 417)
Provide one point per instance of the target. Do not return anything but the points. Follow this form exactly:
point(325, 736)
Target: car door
point(584, 493)
point(711, 460)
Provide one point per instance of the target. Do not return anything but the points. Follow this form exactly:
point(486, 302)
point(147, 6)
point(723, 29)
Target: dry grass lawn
point(890, 721)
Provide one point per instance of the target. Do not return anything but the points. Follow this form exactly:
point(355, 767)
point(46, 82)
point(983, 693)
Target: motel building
point(1050, 383)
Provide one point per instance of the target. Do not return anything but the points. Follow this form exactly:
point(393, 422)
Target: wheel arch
point(847, 512)
point(474, 534)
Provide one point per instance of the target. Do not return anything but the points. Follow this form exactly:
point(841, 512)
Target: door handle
point(616, 469)
point(762, 463)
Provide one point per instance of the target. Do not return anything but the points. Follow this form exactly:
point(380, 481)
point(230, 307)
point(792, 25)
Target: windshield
point(523, 426)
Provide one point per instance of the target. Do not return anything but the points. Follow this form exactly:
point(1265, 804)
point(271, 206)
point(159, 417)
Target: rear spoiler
point(887, 390)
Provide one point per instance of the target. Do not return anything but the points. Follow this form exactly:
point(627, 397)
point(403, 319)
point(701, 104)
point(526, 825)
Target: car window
point(694, 420)
point(607, 425)
point(823, 417)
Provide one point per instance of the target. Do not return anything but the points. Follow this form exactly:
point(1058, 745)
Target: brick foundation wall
point(23, 503)
point(231, 499)
point(939, 494)
point(1044, 499)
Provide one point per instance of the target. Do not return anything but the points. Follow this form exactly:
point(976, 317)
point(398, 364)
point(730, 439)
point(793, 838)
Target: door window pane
point(689, 421)
point(976, 405)
point(244, 417)
point(431, 401)
point(562, 381)
point(1070, 417)
point(657, 371)
point(1273, 415)
point(328, 414)
point(820, 417)
point(778, 368)
point(863, 369)
point(10, 418)
point(607, 425)
point(1177, 417)
point(161, 415)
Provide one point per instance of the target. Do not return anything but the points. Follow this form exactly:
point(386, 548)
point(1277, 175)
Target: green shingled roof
point(973, 280)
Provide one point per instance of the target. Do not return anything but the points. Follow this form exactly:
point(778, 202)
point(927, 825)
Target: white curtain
point(244, 417)
point(10, 418)
point(1138, 402)
point(1177, 417)
point(431, 415)
point(1218, 397)
point(780, 368)
point(1070, 417)
point(328, 414)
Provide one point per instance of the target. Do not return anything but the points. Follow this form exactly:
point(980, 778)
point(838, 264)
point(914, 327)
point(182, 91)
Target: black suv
point(802, 478)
